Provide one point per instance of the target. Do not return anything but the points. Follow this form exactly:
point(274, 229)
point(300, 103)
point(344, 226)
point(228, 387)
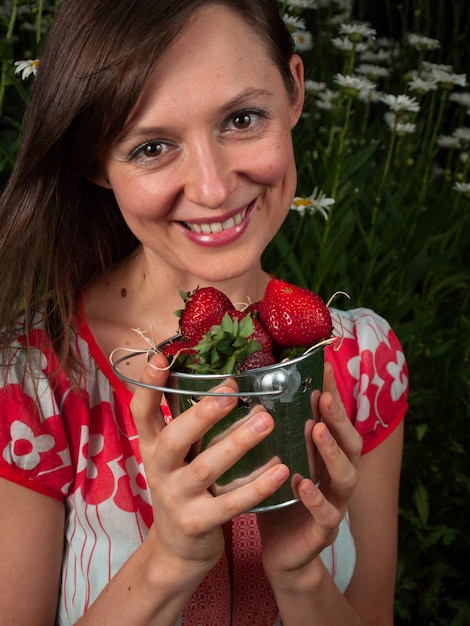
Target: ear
point(96, 172)
point(101, 181)
point(98, 177)
point(298, 95)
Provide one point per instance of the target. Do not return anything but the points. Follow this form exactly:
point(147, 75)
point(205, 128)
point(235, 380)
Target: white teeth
point(227, 224)
point(217, 227)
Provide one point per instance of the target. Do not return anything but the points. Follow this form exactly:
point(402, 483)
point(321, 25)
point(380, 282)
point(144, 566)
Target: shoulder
point(371, 373)
point(34, 447)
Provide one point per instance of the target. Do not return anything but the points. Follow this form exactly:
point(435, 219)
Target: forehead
point(216, 55)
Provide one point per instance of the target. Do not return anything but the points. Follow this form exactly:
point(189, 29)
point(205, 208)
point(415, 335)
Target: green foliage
point(396, 240)
point(225, 346)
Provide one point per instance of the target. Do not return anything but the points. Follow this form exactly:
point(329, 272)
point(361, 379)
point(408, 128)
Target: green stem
point(378, 195)
point(430, 149)
point(341, 147)
point(39, 21)
point(6, 62)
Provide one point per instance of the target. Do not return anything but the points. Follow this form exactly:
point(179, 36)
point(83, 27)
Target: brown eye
point(242, 121)
point(151, 149)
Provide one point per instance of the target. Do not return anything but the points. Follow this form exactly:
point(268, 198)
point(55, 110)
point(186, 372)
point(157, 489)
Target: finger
point(210, 464)
point(325, 514)
point(334, 415)
point(339, 476)
point(146, 403)
point(247, 497)
point(190, 426)
point(314, 401)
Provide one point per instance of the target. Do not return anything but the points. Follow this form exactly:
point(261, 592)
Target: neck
point(137, 294)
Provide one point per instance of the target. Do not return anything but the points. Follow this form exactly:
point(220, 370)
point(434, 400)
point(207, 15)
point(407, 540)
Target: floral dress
point(81, 447)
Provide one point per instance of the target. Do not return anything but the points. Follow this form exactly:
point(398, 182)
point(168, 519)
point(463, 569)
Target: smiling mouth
point(217, 227)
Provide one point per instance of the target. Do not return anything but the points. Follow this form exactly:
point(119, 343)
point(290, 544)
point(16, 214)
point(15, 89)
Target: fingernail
point(279, 475)
point(309, 488)
point(260, 423)
point(223, 401)
point(326, 436)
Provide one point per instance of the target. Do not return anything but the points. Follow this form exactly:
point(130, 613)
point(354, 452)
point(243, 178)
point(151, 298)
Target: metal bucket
point(284, 390)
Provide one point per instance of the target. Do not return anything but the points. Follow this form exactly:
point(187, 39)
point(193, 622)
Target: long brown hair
point(57, 229)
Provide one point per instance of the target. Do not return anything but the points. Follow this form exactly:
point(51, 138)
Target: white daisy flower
point(421, 85)
point(316, 203)
point(294, 23)
point(303, 40)
point(401, 103)
point(370, 96)
point(461, 98)
point(357, 32)
point(376, 56)
point(463, 188)
point(399, 124)
point(346, 45)
point(386, 42)
point(302, 4)
point(448, 142)
point(352, 85)
point(372, 71)
point(326, 99)
point(27, 68)
point(428, 66)
point(448, 80)
point(463, 135)
point(312, 86)
point(421, 42)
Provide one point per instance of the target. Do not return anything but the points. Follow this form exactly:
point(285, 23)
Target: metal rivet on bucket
point(284, 389)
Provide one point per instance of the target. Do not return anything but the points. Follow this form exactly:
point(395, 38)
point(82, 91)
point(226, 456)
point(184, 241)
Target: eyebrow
point(240, 100)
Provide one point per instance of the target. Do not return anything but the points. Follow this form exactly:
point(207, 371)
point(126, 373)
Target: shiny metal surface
point(289, 442)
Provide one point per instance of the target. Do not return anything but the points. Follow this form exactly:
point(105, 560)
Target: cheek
point(277, 165)
point(139, 197)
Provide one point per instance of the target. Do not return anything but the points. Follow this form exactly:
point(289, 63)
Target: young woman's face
point(203, 171)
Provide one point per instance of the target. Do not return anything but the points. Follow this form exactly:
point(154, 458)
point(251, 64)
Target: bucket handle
point(279, 391)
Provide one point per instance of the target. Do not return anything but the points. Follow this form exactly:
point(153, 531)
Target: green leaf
point(421, 499)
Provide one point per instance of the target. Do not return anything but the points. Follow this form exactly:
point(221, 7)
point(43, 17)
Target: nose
point(210, 174)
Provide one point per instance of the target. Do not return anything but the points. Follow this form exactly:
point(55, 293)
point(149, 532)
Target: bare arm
point(374, 521)
point(31, 544)
point(373, 509)
point(186, 541)
point(31, 547)
point(292, 540)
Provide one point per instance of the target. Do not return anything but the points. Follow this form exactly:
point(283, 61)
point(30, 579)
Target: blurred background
point(382, 213)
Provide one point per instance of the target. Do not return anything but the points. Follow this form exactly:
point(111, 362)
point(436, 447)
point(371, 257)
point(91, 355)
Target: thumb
point(146, 402)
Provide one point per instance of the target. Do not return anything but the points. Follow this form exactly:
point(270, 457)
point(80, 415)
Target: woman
point(157, 153)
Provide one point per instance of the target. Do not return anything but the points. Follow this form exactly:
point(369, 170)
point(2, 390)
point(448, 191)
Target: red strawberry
point(260, 358)
point(253, 308)
point(226, 347)
point(202, 308)
point(260, 334)
point(294, 316)
point(178, 347)
point(181, 352)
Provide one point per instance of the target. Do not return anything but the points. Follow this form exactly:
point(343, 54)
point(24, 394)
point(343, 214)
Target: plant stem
point(378, 195)
point(39, 21)
point(6, 62)
point(431, 147)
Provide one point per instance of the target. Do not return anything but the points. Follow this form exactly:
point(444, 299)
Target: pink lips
point(224, 237)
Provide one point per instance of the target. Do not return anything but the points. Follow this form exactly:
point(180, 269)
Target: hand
point(293, 537)
point(188, 517)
